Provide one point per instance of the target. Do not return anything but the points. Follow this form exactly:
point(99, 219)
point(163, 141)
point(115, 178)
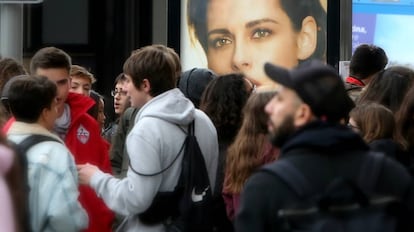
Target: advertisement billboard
point(385, 24)
point(242, 35)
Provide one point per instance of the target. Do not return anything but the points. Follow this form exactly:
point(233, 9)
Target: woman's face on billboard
point(244, 35)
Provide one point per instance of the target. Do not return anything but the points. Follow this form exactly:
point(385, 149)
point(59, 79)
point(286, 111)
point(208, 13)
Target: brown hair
point(154, 63)
point(50, 57)
point(223, 100)
point(374, 121)
point(245, 154)
point(405, 120)
point(8, 69)
point(388, 87)
point(80, 71)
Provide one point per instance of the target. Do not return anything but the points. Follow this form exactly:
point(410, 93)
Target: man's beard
point(281, 134)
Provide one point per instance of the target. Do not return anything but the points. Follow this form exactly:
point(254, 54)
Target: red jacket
point(85, 142)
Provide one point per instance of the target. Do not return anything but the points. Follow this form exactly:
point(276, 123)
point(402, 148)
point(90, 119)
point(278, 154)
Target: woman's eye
point(220, 42)
point(261, 33)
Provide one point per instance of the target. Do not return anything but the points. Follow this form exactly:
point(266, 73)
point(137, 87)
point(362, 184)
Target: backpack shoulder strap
point(190, 132)
point(32, 140)
point(370, 169)
point(129, 118)
point(191, 127)
point(367, 178)
point(289, 174)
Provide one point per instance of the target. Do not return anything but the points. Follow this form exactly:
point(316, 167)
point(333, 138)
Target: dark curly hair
point(223, 101)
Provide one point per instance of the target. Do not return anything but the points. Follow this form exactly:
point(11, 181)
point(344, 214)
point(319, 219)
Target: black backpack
point(345, 205)
point(20, 187)
point(189, 206)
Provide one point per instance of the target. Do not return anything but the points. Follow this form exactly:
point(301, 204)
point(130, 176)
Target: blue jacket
point(53, 182)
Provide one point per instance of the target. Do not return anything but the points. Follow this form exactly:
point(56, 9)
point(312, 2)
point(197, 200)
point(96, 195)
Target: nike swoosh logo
point(198, 197)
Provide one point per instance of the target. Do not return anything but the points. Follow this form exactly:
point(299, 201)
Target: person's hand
point(85, 172)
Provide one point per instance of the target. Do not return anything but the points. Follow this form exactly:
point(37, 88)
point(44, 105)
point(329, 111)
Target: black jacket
point(322, 152)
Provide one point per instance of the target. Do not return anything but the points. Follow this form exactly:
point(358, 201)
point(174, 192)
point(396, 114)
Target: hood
point(79, 105)
point(171, 106)
point(193, 82)
point(325, 137)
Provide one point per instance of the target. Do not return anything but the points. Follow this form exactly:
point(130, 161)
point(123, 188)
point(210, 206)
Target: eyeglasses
point(115, 92)
point(253, 88)
point(252, 85)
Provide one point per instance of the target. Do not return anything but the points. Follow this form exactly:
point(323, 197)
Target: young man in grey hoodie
point(155, 139)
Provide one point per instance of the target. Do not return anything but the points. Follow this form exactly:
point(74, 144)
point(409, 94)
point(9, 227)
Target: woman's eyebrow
point(219, 31)
point(249, 24)
point(259, 21)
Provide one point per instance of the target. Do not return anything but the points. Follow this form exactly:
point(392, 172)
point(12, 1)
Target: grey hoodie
point(152, 145)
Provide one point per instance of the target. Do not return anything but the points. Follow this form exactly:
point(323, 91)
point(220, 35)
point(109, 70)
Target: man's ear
point(44, 115)
point(307, 38)
point(303, 115)
point(146, 85)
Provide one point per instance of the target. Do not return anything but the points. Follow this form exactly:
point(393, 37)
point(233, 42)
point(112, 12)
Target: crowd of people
point(92, 175)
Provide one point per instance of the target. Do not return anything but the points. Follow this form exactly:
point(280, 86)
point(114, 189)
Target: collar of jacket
point(325, 137)
point(354, 81)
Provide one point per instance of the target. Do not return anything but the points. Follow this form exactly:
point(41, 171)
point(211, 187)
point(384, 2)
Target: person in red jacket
point(79, 130)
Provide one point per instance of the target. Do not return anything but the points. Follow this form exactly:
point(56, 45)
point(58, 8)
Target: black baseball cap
point(318, 85)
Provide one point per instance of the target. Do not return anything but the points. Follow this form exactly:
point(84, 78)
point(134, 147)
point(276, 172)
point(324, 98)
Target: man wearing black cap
point(304, 121)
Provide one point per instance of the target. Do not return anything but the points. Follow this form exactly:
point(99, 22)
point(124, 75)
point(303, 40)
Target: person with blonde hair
point(81, 80)
point(250, 150)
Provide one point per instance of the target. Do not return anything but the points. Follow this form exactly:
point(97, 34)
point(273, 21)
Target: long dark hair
point(245, 154)
point(388, 87)
point(297, 10)
point(405, 120)
point(223, 101)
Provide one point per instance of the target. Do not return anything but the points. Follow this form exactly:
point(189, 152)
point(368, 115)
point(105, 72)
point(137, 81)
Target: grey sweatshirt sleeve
point(134, 193)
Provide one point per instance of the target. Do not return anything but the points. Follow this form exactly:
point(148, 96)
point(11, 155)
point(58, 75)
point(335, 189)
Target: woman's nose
point(241, 60)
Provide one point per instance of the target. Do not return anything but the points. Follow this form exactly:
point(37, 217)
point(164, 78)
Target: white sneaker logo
point(198, 197)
